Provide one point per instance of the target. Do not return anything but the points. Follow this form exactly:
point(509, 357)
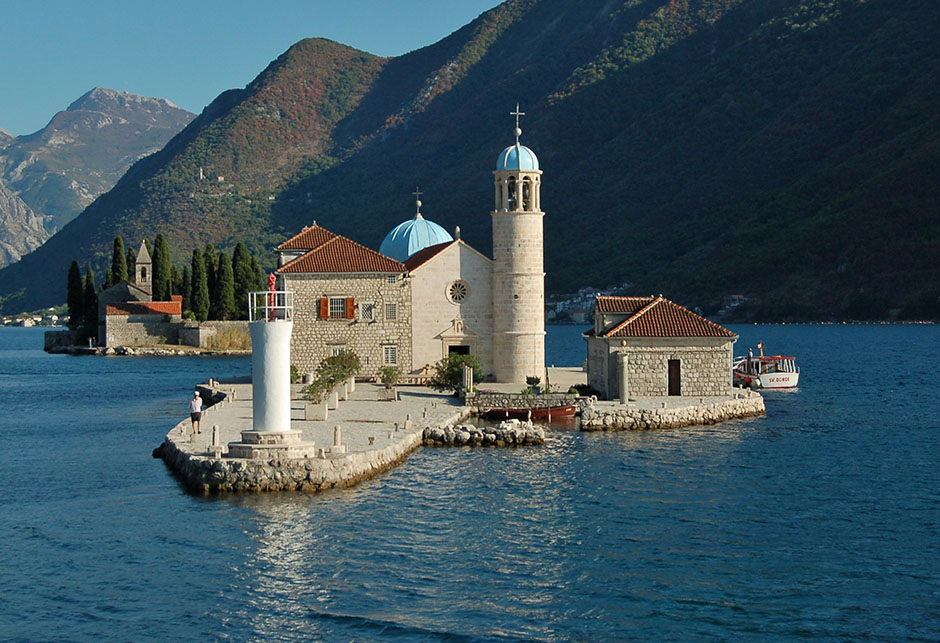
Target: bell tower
point(518, 272)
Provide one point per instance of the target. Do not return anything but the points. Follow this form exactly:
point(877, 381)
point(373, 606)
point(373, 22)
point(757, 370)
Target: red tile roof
point(308, 239)
point(657, 317)
point(340, 254)
point(145, 308)
point(426, 254)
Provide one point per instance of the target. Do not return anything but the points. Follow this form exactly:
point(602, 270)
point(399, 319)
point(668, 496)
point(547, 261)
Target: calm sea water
point(821, 520)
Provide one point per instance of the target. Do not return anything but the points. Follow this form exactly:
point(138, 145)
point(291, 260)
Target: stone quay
point(670, 412)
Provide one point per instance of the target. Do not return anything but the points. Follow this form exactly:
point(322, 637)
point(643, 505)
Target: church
point(426, 294)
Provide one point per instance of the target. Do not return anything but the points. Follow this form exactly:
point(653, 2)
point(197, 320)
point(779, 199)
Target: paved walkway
point(360, 417)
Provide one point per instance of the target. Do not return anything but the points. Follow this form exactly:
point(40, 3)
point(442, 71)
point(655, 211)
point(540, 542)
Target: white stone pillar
point(270, 374)
point(624, 378)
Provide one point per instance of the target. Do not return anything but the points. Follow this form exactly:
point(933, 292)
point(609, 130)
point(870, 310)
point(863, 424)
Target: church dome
point(517, 157)
point(413, 235)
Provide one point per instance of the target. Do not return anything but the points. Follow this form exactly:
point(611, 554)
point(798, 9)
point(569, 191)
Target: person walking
point(195, 412)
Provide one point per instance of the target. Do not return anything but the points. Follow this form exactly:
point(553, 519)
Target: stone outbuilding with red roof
point(651, 346)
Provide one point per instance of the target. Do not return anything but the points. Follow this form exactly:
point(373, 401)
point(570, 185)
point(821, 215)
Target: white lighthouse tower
point(270, 315)
point(518, 273)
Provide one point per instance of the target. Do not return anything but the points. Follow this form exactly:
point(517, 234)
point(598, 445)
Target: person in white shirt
point(195, 412)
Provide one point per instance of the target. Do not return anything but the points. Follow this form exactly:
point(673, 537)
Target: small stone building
point(650, 346)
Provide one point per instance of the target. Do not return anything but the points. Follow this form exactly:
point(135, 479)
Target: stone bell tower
point(518, 273)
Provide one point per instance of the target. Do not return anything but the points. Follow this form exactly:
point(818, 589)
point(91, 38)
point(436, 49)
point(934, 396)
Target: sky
point(187, 51)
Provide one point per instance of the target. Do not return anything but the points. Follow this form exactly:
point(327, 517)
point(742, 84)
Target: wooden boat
point(766, 371)
point(539, 413)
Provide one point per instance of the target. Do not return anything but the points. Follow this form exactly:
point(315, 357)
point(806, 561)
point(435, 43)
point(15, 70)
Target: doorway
point(675, 378)
point(458, 350)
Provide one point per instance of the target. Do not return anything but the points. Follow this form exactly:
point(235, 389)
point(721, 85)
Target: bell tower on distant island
point(518, 272)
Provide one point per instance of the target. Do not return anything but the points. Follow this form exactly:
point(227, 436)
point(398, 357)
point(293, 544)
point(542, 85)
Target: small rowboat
point(543, 413)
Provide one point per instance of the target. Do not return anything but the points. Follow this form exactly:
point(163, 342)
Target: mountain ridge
point(703, 149)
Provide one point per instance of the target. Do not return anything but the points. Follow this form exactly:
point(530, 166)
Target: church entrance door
point(458, 350)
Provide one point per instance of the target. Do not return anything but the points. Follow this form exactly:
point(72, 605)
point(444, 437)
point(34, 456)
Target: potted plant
point(389, 376)
point(533, 383)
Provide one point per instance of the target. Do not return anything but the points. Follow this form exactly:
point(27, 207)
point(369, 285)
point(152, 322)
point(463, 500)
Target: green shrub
point(448, 373)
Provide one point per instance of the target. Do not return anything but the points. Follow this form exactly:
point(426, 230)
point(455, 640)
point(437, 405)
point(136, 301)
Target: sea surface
point(820, 520)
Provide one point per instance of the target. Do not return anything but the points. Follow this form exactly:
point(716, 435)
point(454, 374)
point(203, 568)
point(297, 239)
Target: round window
point(458, 291)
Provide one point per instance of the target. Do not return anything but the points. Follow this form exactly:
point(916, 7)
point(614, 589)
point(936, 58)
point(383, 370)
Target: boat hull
point(778, 380)
point(538, 413)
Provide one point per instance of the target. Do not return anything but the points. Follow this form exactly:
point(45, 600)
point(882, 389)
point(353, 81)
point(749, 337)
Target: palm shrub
point(389, 376)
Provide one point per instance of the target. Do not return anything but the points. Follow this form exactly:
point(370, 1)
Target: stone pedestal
point(273, 445)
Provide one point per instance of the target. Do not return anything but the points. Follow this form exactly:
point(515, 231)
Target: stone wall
point(508, 433)
point(314, 339)
point(623, 418)
point(199, 334)
point(482, 402)
point(142, 330)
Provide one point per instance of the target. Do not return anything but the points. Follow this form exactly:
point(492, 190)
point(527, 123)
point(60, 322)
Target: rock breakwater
point(508, 433)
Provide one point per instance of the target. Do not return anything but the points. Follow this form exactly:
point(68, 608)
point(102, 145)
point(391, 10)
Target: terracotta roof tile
point(308, 239)
point(340, 254)
point(145, 308)
point(426, 254)
point(659, 317)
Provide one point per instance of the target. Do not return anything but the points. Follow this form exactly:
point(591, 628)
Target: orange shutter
point(324, 308)
point(351, 307)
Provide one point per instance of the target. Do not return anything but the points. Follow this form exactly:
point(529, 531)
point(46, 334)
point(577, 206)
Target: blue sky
point(53, 51)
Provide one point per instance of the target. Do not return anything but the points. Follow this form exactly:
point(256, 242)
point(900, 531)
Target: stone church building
point(425, 294)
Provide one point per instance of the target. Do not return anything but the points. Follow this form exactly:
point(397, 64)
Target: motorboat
point(766, 371)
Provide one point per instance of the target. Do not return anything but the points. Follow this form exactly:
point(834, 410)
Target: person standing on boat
point(195, 412)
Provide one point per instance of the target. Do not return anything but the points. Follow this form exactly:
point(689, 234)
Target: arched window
point(526, 194)
point(143, 275)
point(511, 205)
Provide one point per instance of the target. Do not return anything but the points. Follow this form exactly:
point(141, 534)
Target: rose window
point(458, 291)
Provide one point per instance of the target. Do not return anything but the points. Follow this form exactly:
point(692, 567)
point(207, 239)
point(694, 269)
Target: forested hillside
point(782, 150)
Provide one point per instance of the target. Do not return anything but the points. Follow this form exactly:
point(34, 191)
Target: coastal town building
point(651, 346)
point(426, 294)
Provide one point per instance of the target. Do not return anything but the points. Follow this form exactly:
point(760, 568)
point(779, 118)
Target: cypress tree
point(200, 289)
point(160, 256)
point(75, 297)
point(176, 280)
point(131, 265)
point(223, 300)
point(187, 288)
point(208, 255)
point(90, 303)
point(258, 282)
point(242, 273)
point(118, 261)
point(108, 279)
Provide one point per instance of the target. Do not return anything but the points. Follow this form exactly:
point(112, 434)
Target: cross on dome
point(517, 114)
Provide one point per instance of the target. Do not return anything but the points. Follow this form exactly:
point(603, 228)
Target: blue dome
point(413, 235)
point(517, 157)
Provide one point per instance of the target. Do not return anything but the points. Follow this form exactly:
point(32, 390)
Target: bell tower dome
point(518, 272)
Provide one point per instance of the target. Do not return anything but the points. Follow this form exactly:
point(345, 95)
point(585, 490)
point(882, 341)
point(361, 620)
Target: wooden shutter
point(324, 308)
point(351, 305)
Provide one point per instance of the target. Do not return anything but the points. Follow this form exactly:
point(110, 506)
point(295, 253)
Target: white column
point(624, 378)
point(270, 375)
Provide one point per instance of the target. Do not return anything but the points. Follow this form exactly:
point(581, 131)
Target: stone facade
point(374, 340)
point(704, 365)
point(440, 320)
point(142, 330)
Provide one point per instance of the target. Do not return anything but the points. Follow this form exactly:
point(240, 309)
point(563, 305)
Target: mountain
point(79, 155)
point(782, 153)
point(21, 229)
